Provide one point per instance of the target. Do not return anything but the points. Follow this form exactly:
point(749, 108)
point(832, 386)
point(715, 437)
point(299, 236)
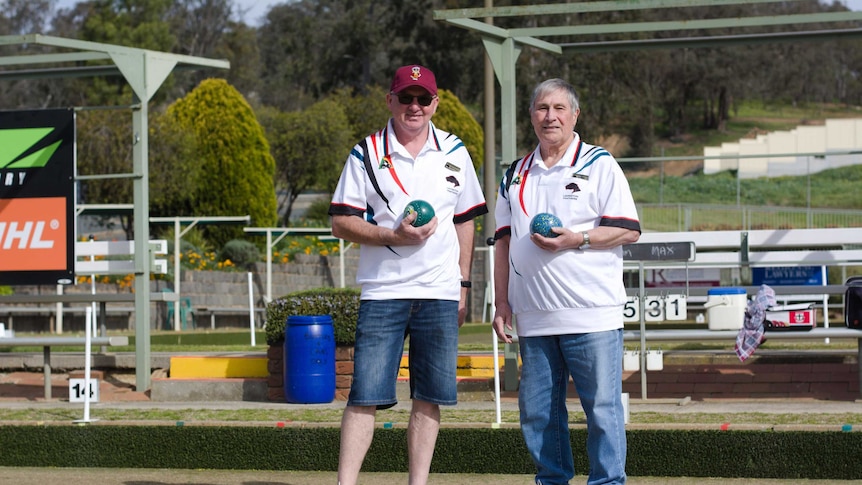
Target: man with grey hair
point(566, 288)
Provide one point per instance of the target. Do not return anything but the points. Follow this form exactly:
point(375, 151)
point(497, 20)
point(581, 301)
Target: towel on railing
point(750, 336)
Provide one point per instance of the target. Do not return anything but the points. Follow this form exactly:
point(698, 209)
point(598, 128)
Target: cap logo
point(415, 74)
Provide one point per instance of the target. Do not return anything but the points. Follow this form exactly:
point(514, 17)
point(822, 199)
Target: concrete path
point(137, 476)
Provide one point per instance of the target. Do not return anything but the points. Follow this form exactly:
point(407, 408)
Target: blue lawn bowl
point(542, 224)
point(423, 209)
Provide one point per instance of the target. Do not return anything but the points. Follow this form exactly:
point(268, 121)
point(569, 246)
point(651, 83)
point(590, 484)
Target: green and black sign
point(37, 197)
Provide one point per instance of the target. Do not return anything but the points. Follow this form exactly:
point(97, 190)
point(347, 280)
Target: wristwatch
point(466, 284)
point(586, 243)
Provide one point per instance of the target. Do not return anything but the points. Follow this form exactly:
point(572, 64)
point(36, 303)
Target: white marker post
point(251, 308)
point(87, 350)
point(494, 338)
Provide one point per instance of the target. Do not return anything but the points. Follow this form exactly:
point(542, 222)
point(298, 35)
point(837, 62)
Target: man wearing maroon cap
point(415, 279)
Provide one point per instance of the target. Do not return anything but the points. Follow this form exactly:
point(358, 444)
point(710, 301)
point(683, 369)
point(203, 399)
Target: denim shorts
point(383, 326)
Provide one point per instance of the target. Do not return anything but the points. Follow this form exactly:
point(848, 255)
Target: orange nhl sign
point(37, 197)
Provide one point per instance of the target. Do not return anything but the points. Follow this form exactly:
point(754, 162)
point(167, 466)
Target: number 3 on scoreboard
point(653, 309)
point(631, 310)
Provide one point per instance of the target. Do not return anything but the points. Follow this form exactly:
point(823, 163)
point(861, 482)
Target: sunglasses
point(424, 100)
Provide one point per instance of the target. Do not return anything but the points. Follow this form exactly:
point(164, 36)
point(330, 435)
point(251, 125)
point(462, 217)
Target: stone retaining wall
point(229, 289)
point(832, 376)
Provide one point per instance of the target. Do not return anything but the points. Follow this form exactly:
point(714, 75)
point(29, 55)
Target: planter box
point(343, 372)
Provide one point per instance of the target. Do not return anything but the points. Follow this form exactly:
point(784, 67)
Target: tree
point(103, 147)
point(452, 116)
point(237, 169)
point(19, 17)
point(135, 23)
point(309, 148)
point(240, 48)
point(366, 111)
point(174, 167)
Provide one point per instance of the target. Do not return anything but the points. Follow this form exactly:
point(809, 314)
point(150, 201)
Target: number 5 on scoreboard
point(631, 310)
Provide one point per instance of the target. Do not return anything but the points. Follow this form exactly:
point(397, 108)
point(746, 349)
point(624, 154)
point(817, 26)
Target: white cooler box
point(725, 308)
point(799, 316)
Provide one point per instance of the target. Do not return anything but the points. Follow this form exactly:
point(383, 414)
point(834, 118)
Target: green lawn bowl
point(423, 209)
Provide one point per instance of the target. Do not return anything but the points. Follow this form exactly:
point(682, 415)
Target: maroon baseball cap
point(414, 75)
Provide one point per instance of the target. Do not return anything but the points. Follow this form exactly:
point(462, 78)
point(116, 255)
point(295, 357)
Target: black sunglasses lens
point(422, 100)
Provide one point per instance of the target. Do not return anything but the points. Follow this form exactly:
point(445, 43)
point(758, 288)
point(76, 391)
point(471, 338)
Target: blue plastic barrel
point(309, 359)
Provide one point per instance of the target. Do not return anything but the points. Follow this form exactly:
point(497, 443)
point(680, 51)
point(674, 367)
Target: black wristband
point(466, 284)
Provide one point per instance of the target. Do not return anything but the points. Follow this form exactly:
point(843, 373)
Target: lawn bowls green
point(542, 224)
point(424, 212)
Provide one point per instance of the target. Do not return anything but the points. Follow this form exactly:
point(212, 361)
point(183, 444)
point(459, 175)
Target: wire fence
point(706, 217)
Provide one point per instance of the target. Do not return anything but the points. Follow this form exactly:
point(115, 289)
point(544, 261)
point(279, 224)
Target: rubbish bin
point(309, 359)
point(725, 308)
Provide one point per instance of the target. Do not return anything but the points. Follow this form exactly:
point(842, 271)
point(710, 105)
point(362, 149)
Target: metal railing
point(679, 217)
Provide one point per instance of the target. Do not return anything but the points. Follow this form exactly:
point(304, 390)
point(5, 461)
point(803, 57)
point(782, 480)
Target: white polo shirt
point(572, 291)
point(379, 179)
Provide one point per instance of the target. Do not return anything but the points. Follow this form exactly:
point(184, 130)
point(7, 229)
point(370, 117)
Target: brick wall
point(832, 375)
point(343, 372)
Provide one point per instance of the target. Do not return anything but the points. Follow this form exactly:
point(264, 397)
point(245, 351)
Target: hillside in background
point(747, 121)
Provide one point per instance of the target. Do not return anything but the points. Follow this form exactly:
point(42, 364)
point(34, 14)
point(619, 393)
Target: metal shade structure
point(145, 71)
point(503, 46)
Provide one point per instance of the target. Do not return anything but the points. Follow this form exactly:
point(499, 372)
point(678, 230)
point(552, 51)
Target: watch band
point(586, 243)
point(466, 284)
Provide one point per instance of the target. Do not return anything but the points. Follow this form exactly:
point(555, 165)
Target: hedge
point(825, 455)
point(342, 304)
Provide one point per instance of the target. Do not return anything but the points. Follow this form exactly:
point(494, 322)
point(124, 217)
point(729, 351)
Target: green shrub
point(318, 210)
point(240, 252)
point(236, 167)
point(342, 304)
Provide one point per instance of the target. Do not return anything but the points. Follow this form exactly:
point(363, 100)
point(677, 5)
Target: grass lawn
point(473, 337)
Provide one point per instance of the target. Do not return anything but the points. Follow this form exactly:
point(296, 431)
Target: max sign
point(37, 197)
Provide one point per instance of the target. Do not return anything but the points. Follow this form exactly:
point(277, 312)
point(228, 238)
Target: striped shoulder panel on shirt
point(591, 155)
point(448, 142)
point(361, 152)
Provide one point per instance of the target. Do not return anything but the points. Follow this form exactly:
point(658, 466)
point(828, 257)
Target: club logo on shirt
point(453, 189)
point(516, 180)
point(385, 162)
point(574, 189)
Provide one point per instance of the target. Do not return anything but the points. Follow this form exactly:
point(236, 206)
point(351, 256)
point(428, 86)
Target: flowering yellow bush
point(194, 261)
point(303, 244)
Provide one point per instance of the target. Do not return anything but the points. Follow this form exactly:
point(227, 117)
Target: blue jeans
point(594, 360)
point(383, 325)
